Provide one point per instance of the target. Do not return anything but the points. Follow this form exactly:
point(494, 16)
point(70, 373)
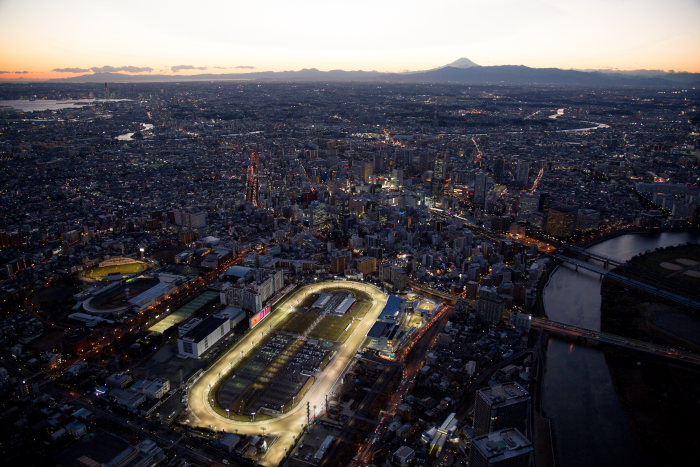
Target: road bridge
point(629, 282)
point(570, 331)
point(589, 255)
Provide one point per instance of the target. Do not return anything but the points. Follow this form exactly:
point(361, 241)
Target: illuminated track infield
point(290, 424)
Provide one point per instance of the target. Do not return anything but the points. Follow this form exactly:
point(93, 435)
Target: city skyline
point(68, 38)
point(212, 272)
point(334, 233)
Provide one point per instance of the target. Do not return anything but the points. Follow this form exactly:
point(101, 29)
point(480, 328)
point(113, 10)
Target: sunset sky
point(153, 36)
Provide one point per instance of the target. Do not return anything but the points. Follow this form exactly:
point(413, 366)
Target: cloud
point(246, 67)
point(127, 68)
point(177, 68)
point(21, 72)
point(71, 70)
point(4, 72)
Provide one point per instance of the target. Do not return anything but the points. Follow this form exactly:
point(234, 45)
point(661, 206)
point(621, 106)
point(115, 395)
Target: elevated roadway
point(567, 330)
point(289, 425)
point(431, 292)
point(629, 282)
point(589, 255)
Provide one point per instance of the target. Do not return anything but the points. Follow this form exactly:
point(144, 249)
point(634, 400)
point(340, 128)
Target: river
point(27, 105)
point(130, 136)
point(588, 421)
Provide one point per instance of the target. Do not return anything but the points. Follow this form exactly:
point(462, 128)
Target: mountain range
point(462, 71)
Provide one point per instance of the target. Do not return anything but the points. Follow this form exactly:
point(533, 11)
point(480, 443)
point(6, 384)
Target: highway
point(568, 330)
point(289, 425)
point(644, 287)
point(588, 255)
point(596, 336)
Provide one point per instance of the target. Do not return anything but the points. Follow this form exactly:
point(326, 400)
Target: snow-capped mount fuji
point(461, 63)
point(460, 71)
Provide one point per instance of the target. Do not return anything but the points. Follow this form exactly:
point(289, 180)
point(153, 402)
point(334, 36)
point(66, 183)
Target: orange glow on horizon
point(220, 36)
point(49, 75)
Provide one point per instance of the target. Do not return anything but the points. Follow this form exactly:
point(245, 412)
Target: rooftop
point(151, 294)
point(238, 271)
point(508, 392)
point(184, 312)
point(381, 329)
point(392, 308)
point(99, 448)
point(203, 329)
point(502, 444)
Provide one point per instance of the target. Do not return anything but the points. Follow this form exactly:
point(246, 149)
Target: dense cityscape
point(334, 273)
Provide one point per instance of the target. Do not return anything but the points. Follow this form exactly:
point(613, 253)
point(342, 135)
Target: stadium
point(115, 268)
point(287, 363)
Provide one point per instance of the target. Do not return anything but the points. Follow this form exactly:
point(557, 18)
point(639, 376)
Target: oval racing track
point(287, 426)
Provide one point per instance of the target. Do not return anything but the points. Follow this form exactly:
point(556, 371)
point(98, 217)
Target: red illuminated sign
point(255, 319)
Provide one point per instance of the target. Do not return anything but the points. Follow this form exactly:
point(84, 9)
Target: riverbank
point(658, 396)
point(549, 269)
point(660, 401)
point(589, 422)
point(541, 425)
point(543, 439)
point(647, 317)
point(637, 231)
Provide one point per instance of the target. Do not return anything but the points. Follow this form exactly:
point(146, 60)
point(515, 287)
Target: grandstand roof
point(380, 329)
point(151, 294)
point(392, 308)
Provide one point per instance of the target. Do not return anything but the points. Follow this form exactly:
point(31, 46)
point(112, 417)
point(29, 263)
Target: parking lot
point(271, 378)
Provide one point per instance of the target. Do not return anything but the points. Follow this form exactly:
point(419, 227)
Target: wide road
point(289, 425)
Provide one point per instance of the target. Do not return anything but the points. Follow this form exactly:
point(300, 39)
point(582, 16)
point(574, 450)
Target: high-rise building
point(561, 221)
point(499, 172)
point(529, 203)
point(490, 308)
point(439, 168)
point(522, 170)
point(385, 272)
point(438, 181)
point(194, 219)
point(501, 406)
point(399, 278)
point(367, 265)
point(651, 219)
point(367, 171)
point(480, 188)
point(378, 162)
point(587, 219)
point(339, 263)
point(504, 448)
